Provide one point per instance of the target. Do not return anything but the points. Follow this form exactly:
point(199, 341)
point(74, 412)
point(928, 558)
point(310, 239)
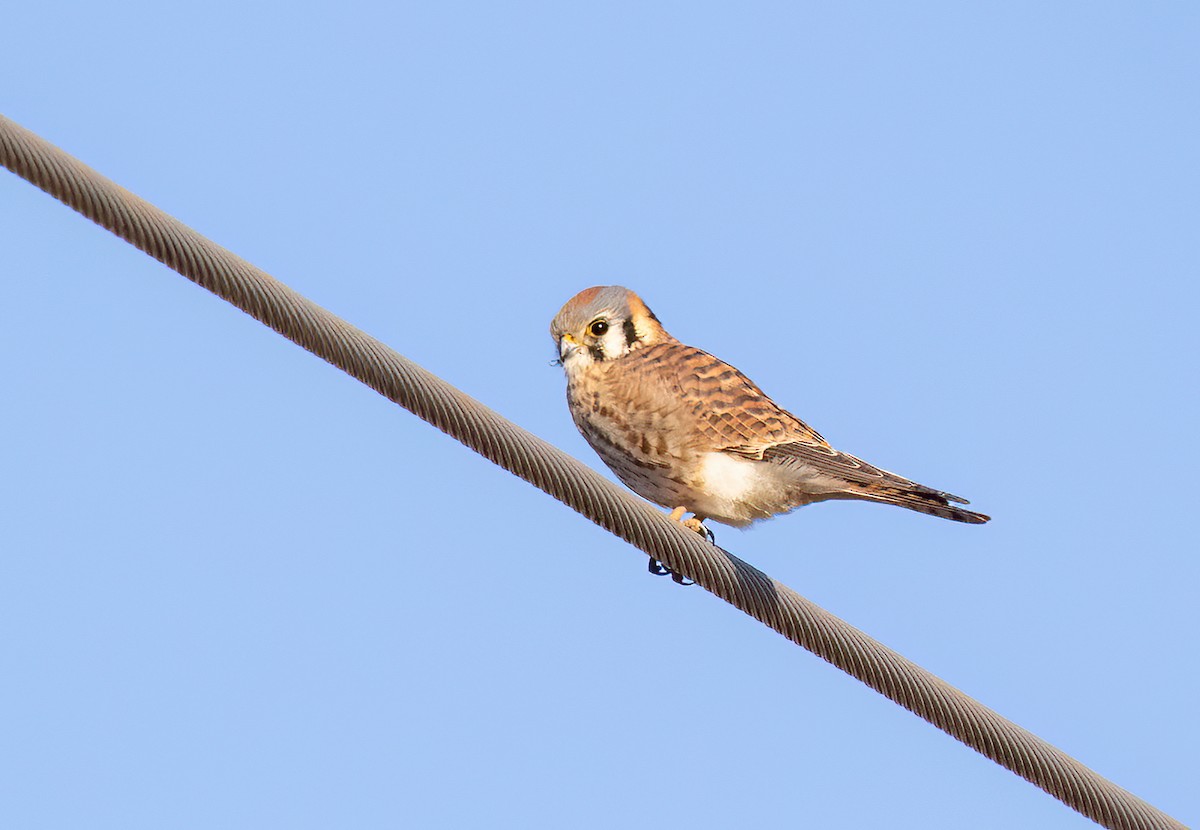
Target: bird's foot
point(693, 523)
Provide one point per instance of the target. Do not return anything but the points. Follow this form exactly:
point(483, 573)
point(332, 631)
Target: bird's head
point(605, 322)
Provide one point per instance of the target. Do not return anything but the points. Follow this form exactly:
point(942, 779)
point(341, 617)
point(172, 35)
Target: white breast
point(731, 488)
point(739, 490)
point(727, 477)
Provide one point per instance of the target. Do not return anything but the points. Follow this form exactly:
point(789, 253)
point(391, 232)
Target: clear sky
point(240, 590)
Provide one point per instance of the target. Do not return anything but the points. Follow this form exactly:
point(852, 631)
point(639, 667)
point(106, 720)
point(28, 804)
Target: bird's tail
point(847, 477)
point(904, 493)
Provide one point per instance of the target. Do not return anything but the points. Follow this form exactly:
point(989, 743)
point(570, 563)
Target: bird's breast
point(634, 417)
point(639, 435)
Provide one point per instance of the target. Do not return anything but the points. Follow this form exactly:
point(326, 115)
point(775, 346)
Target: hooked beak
point(567, 346)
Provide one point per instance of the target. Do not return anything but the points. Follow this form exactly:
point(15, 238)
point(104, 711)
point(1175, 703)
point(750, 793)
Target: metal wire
point(571, 482)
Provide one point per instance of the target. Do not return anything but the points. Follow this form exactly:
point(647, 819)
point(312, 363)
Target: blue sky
point(238, 589)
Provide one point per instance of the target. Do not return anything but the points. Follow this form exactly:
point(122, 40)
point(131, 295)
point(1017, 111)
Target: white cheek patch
point(613, 342)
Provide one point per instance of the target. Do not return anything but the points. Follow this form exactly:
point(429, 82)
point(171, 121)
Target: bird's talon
point(659, 569)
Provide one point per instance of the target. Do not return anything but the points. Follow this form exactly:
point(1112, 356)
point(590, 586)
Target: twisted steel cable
point(571, 482)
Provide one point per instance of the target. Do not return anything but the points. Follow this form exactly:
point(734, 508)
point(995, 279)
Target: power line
point(570, 481)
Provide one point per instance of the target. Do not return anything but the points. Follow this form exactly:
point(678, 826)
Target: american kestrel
point(693, 434)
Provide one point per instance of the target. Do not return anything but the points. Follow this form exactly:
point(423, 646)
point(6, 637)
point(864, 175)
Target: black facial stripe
point(597, 351)
point(630, 333)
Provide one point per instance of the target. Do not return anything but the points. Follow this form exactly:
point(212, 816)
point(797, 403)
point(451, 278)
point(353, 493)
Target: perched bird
point(690, 432)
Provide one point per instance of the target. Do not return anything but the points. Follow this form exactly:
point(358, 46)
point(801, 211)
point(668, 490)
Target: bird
point(691, 433)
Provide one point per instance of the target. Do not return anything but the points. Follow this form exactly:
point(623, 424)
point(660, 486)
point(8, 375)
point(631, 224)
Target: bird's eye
point(598, 328)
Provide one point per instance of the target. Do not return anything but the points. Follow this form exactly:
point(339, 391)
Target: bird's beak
point(567, 346)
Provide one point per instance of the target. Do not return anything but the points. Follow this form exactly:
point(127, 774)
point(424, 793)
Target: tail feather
point(923, 500)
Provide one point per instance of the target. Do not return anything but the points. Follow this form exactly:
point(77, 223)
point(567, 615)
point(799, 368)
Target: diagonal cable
point(570, 481)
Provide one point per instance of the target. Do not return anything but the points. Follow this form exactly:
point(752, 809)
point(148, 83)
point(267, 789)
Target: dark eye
point(598, 328)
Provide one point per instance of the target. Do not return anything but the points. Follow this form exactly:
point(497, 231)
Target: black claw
point(659, 569)
point(705, 531)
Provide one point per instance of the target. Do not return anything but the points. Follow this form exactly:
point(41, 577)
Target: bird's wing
point(727, 410)
point(737, 417)
point(728, 413)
